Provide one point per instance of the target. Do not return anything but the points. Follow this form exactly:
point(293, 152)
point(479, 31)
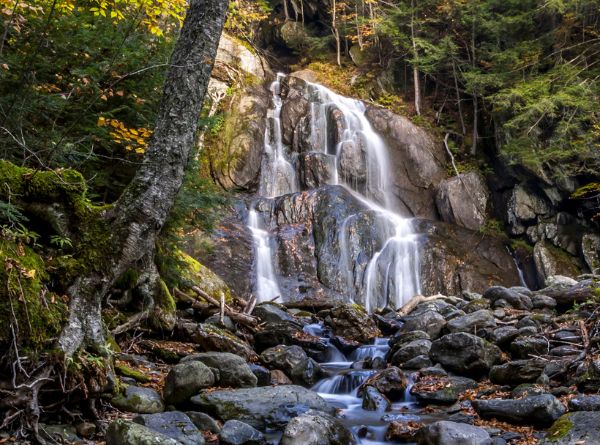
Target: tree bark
point(416, 61)
point(139, 214)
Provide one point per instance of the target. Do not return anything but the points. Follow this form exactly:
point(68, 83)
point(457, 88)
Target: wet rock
point(261, 407)
point(315, 428)
point(204, 422)
point(315, 169)
point(418, 362)
point(173, 424)
point(464, 353)
point(589, 378)
point(139, 400)
point(515, 299)
point(293, 361)
point(430, 322)
point(285, 333)
point(585, 403)
point(574, 428)
point(417, 158)
point(472, 322)
point(278, 377)
point(212, 338)
point(411, 350)
point(518, 371)
point(185, 380)
point(233, 371)
point(452, 433)
point(402, 431)
point(541, 410)
point(524, 347)
point(235, 432)
point(124, 432)
point(402, 338)
point(391, 382)
point(353, 322)
point(476, 305)
point(463, 200)
point(551, 261)
point(441, 390)
point(373, 400)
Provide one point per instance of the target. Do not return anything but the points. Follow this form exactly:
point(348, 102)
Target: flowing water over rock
point(338, 146)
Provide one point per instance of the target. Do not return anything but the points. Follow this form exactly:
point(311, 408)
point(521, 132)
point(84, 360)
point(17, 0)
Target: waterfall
point(361, 165)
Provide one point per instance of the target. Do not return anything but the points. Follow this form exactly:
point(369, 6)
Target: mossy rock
point(163, 315)
point(126, 371)
point(26, 305)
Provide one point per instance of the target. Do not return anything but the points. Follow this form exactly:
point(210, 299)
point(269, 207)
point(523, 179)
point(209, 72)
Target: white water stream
point(392, 274)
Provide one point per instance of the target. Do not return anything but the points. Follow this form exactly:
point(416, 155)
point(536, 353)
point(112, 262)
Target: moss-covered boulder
point(351, 321)
point(574, 428)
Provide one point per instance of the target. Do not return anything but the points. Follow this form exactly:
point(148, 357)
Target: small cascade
point(340, 130)
point(513, 254)
point(379, 348)
point(266, 281)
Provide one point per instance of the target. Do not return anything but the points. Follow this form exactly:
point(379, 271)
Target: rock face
point(261, 407)
point(314, 428)
point(463, 200)
point(464, 353)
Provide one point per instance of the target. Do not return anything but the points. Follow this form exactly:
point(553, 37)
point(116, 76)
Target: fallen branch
point(233, 314)
point(418, 299)
point(131, 323)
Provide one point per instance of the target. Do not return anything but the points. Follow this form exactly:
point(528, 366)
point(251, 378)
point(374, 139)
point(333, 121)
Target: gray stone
point(452, 433)
point(576, 428)
point(204, 422)
point(451, 389)
point(464, 353)
point(430, 322)
point(233, 370)
point(472, 322)
point(139, 400)
point(316, 428)
point(590, 248)
point(543, 302)
point(515, 372)
point(585, 403)
point(524, 347)
point(124, 432)
point(515, 299)
point(185, 380)
point(268, 312)
point(504, 335)
point(524, 206)
point(373, 400)
point(540, 410)
point(261, 407)
point(410, 351)
point(463, 200)
point(173, 424)
point(235, 432)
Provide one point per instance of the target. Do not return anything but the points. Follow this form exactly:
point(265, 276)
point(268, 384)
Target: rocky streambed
point(509, 366)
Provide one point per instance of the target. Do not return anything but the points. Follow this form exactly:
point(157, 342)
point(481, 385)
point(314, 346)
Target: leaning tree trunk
point(141, 211)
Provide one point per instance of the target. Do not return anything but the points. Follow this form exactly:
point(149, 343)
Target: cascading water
point(361, 164)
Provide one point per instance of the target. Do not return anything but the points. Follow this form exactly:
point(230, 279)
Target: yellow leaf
point(29, 273)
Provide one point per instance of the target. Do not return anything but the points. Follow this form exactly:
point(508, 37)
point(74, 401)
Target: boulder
point(173, 424)
point(124, 432)
point(261, 407)
point(316, 428)
point(185, 380)
point(464, 353)
point(212, 338)
point(504, 335)
point(235, 432)
point(373, 400)
point(140, 400)
point(391, 382)
point(451, 433)
point(472, 322)
point(430, 322)
point(442, 389)
point(352, 322)
point(204, 422)
point(463, 200)
point(516, 372)
point(233, 371)
point(524, 347)
point(574, 429)
point(541, 410)
point(585, 403)
point(515, 299)
point(590, 249)
point(411, 350)
point(293, 361)
point(550, 260)
point(268, 312)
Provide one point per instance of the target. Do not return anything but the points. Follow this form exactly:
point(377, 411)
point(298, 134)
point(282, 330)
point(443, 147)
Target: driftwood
point(578, 293)
point(418, 299)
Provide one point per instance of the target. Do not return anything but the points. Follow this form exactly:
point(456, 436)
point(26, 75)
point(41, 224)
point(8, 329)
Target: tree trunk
point(336, 33)
point(415, 63)
point(139, 214)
